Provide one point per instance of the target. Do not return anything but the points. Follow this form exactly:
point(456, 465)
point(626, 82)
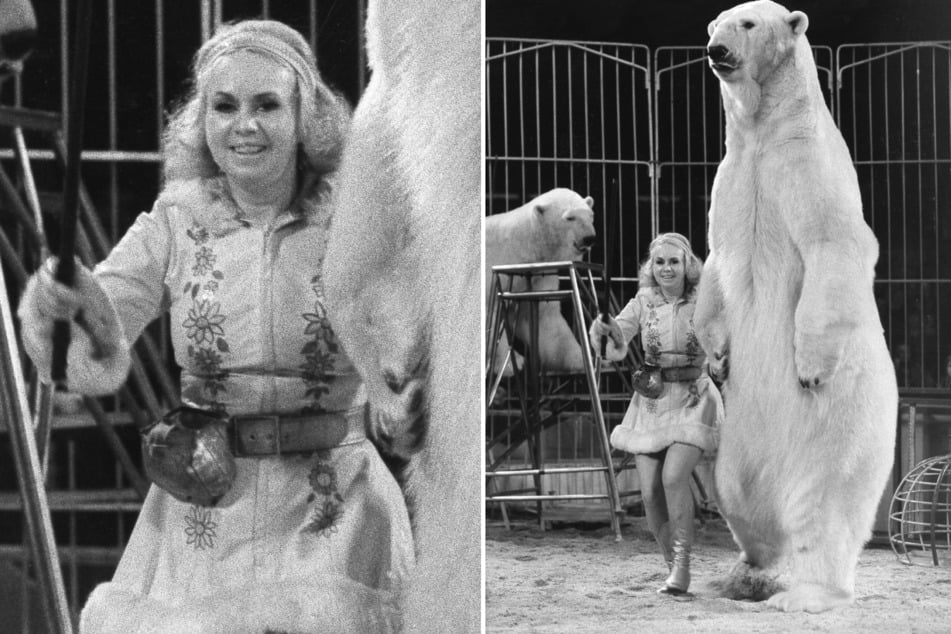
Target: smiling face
point(668, 266)
point(251, 120)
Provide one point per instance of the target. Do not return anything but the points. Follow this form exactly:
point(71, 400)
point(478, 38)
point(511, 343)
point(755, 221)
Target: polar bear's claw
point(719, 367)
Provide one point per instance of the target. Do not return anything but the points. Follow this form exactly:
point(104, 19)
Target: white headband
point(673, 239)
point(262, 43)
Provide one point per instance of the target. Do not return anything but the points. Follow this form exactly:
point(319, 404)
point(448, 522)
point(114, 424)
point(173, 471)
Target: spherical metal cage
point(919, 526)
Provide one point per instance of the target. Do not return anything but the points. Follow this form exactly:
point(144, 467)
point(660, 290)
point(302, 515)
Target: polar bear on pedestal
point(556, 226)
point(402, 279)
point(786, 313)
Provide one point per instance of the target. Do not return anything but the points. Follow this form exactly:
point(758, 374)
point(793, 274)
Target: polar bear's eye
point(747, 24)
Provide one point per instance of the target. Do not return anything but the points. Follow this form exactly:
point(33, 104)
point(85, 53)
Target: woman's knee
point(677, 477)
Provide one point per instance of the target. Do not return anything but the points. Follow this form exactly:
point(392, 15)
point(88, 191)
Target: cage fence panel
point(894, 110)
point(574, 115)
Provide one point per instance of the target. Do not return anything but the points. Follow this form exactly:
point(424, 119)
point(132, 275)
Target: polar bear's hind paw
point(809, 598)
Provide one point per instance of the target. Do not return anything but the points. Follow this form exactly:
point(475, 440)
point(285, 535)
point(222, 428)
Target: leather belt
point(681, 374)
point(278, 434)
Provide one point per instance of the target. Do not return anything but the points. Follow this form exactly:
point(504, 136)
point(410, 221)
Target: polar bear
point(402, 275)
point(556, 226)
point(787, 315)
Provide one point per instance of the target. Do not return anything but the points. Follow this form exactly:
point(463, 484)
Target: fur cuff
point(300, 605)
point(86, 371)
point(698, 435)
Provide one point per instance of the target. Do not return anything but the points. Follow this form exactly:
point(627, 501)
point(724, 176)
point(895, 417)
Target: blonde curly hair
point(323, 113)
point(693, 265)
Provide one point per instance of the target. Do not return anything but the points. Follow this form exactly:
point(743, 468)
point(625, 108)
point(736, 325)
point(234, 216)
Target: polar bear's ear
point(711, 27)
point(589, 201)
point(539, 209)
point(798, 21)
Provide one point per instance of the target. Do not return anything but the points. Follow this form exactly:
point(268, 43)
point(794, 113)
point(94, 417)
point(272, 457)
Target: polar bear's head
point(750, 40)
point(565, 224)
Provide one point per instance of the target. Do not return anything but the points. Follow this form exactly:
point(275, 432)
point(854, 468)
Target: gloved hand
point(98, 358)
point(611, 330)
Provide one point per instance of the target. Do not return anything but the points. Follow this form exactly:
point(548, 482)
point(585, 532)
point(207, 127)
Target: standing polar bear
point(786, 313)
point(556, 226)
point(402, 278)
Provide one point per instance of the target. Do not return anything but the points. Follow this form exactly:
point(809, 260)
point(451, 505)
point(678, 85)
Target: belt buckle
point(275, 422)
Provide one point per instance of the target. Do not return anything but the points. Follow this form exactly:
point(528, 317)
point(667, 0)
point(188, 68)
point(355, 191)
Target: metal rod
point(15, 410)
point(601, 428)
point(547, 471)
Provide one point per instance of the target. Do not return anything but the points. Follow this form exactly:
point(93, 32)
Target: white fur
point(552, 227)
point(402, 274)
point(88, 370)
point(786, 297)
point(299, 605)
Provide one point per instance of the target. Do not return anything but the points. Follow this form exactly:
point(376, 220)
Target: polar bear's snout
point(721, 59)
point(584, 243)
point(718, 54)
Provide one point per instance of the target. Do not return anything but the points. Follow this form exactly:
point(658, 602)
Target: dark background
point(684, 22)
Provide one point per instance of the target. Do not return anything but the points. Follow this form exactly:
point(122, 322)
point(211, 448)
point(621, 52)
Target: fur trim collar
point(209, 202)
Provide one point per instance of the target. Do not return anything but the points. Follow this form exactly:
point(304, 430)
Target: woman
point(668, 432)
point(313, 533)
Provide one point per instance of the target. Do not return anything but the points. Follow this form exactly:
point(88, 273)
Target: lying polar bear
point(786, 313)
point(556, 226)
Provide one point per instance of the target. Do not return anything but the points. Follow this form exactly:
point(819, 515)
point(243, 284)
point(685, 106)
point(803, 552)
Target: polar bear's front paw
point(816, 359)
point(719, 366)
point(400, 409)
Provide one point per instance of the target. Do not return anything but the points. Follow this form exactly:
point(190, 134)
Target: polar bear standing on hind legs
point(786, 313)
point(402, 278)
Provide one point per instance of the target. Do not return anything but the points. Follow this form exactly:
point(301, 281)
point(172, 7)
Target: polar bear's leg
point(828, 526)
point(558, 348)
point(369, 274)
point(823, 564)
point(754, 523)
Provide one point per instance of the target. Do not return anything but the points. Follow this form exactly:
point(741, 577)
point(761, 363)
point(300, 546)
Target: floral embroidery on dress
point(693, 344)
point(326, 518)
point(328, 509)
point(652, 333)
point(319, 353)
point(323, 479)
point(204, 325)
point(200, 528)
point(204, 261)
point(197, 233)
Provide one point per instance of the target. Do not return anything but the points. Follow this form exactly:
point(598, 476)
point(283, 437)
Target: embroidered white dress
point(313, 542)
point(685, 412)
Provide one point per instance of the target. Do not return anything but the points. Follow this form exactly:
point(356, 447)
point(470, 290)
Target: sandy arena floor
point(577, 580)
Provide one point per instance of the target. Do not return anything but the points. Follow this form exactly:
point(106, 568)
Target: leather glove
point(98, 358)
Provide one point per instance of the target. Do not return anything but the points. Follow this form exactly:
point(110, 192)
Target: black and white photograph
point(241, 247)
point(718, 316)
